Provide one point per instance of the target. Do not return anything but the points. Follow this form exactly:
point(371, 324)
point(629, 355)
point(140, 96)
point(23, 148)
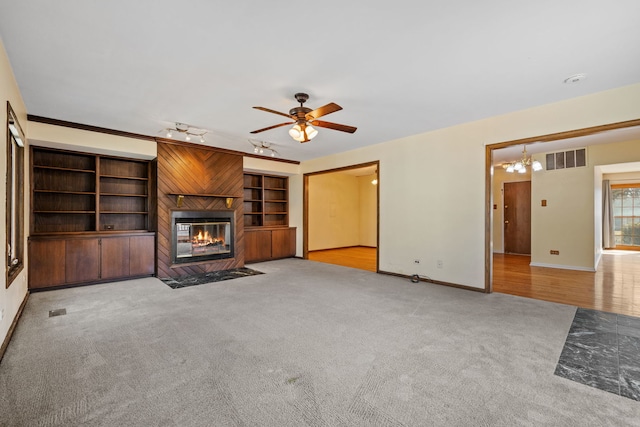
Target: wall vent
point(567, 159)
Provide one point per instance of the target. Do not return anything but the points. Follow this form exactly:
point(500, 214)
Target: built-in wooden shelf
point(205, 195)
point(265, 200)
point(58, 168)
point(72, 191)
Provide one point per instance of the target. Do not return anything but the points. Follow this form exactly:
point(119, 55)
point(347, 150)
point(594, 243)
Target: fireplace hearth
point(202, 236)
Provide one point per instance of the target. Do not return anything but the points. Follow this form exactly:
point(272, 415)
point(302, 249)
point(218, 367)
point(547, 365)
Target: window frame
point(15, 222)
point(622, 246)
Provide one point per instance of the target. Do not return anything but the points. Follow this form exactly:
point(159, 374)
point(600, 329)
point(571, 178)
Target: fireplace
point(201, 236)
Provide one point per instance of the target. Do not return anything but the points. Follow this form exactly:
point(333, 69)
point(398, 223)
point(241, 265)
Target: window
point(626, 215)
point(15, 197)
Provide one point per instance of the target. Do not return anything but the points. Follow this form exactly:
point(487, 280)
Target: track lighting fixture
point(186, 130)
point(263, 147)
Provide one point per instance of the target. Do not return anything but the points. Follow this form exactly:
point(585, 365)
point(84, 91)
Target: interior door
point(517, 217)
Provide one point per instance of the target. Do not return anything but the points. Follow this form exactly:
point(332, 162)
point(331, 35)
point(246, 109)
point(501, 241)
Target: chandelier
point(186, 130)
point(263, 147)
point(520, 166)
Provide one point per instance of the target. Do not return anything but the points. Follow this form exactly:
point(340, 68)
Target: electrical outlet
point(552, 252)
point(416, 261)
point(439, 263)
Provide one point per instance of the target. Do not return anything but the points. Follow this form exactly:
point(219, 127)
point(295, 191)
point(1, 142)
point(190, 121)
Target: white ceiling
point(397, 68)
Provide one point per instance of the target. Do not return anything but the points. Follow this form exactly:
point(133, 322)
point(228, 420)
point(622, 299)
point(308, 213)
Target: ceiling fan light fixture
point(296, 133)
point(311, 132)
point(301, 129)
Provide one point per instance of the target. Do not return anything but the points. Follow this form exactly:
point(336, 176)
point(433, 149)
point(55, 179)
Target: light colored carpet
point(304, 344)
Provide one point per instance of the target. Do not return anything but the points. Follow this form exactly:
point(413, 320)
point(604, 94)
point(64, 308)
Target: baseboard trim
point(12, 328)
point(342, 247)
point(435, 282)
point(562, 267)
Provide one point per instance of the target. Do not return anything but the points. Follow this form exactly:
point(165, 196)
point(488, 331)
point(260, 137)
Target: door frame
point(488, 211)
point(305, 206)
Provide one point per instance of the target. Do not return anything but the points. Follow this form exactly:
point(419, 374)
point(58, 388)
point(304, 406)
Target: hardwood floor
point(360, 257)
point(614, 288)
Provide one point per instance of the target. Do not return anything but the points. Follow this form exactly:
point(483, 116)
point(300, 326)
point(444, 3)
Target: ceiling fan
point(305, 118)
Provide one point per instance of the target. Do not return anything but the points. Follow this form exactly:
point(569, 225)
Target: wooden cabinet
point(266, 200)
point(115, 257)
point(257, 245)
point(89, 218)
point(47, 263)
point(283, 243)
point(80, 259)
point(266, 218)
point(268, 244)
point(143, 260)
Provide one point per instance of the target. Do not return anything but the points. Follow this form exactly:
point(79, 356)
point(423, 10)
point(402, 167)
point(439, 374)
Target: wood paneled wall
point(196, 169)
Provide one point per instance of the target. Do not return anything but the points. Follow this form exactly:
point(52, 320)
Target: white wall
point(11, 298)
point(66, 138)
point(334, 211)
point(342, 211)
point(432, 185)
point(368, 210)
point(566, 224)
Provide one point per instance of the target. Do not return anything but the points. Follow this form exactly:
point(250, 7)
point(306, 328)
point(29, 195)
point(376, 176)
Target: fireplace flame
point(205, 239)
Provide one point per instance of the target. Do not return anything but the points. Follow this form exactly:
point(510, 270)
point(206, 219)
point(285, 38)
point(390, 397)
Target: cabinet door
point(142, 255)
point(46, 263)
point(114, 257)
point(283, 243)
point(257, 245)
point(82, 260)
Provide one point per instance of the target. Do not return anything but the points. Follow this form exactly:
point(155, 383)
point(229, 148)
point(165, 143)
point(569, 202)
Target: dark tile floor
point(602, 350)
point(213, 276)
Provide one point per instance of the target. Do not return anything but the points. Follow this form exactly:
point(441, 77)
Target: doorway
point(341, 216)
point(600, 290)
point(517, 217)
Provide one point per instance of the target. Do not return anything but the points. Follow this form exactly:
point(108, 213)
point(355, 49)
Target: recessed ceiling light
point(575, 78)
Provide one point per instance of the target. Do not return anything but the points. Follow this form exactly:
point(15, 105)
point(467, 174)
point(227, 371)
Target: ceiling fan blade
point(334, 126)
point(268, 110)
point(323, 111)
point(271, 127)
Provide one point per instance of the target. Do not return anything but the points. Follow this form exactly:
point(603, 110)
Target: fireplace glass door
point(202, 239)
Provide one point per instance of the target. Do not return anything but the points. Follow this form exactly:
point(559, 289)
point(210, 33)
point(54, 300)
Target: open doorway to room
point(341, 216)
point(600, 282)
